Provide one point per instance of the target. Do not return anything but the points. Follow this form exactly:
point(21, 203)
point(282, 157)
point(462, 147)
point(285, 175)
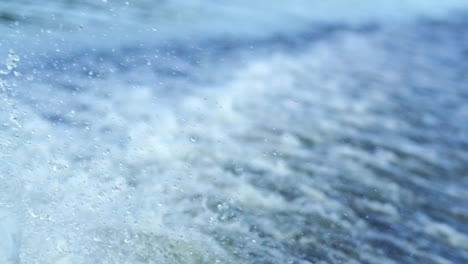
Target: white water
point(263, 153)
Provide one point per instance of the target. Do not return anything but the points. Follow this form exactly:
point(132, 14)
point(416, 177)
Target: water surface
point(233, 132)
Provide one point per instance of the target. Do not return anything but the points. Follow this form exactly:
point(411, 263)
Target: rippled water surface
point(233, 132)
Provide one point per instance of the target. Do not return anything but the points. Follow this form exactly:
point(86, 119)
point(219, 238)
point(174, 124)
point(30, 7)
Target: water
point(220, 132)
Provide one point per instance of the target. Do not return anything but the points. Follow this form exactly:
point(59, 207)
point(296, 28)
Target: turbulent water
point(222, 132)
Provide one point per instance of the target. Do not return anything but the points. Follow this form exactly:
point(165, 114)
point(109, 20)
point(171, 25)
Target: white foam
point(9, 238)
point(148, 175)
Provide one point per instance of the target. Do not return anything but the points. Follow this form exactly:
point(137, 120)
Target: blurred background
point(216, 131)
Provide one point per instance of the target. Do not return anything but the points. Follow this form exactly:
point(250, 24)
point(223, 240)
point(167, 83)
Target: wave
point(329, 145)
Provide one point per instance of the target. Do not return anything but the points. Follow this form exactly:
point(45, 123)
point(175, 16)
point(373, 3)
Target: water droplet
point(34, 215)
point(11, 62)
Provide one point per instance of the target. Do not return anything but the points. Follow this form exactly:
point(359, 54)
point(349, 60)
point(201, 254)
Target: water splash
point(10, 63)
point(325, 150)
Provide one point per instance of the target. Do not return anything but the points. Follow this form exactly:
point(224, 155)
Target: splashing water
point(10, 63)
point(329, 143)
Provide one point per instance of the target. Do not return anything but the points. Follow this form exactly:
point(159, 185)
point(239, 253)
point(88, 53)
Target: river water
point(233, 131)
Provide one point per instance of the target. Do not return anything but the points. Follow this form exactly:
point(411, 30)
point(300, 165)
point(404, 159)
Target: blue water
point(234, 132)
